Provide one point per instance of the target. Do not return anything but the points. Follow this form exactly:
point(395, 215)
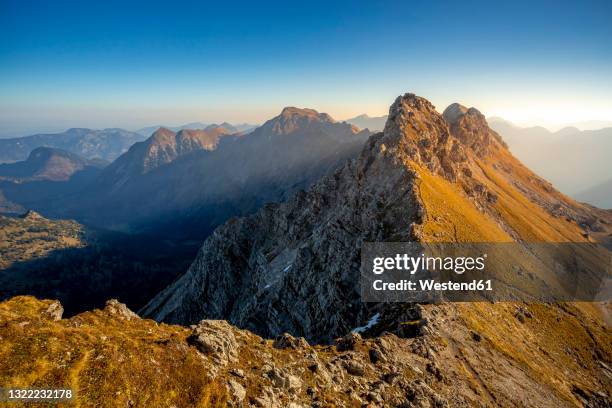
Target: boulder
point(287, 341)
point(119, 310)
point(216, 339)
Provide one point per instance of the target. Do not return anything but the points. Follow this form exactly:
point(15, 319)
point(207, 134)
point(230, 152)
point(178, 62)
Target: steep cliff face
point(295, 266)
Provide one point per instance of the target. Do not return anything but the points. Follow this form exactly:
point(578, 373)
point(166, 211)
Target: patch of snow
point(371, 323)
point(287, 267)
point(267, 286)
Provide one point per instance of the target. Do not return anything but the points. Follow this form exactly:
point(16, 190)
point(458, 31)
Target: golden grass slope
point(565, 347)
point(108, 362)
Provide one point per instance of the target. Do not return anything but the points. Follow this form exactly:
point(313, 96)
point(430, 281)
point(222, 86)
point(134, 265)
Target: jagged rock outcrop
point(215, 338)
point(471, 128)
point(31, 215)
point(119, 310)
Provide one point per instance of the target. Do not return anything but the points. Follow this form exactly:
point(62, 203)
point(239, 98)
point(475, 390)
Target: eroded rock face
point(471, 128)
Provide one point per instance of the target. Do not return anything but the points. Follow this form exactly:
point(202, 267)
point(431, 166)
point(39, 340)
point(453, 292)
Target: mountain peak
point(47, 163)
point(409, 114)
point(470, 126)
point(454, 111)
point(568, 130)
point(223, 127)
point(292, 119)
point(293, 112)
point(162, 133)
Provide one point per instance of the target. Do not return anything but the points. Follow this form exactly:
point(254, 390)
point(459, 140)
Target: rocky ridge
point(295, 266)
point(111, 357)
point(216, 364)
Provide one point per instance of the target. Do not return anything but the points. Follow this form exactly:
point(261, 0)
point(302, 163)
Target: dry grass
point(106, 361)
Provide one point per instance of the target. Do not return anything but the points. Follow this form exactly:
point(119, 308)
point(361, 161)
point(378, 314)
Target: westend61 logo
point(463, 272)
point(411, 264)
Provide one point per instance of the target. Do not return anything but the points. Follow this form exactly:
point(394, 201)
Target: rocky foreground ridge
point(112, 358)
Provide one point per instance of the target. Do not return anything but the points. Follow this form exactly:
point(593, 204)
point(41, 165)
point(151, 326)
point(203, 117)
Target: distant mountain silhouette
point(599, 195)
point(106, 144)
point(375, 124)
point(46, 163)
point(571, 159)
point(243, 127)
point(46, 174)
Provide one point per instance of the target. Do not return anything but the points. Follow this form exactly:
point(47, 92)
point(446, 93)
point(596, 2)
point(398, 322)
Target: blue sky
point(131, 64)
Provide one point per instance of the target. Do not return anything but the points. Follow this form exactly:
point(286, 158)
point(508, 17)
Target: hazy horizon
point(74, 64)
point(6, 134)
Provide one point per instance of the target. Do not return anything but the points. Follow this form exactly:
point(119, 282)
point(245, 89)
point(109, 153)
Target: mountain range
point(375, 124)
point(239, 128)
point(427, 177)
point(106, 144)
point(292, 269)
point(190, 181)
point(573, 160)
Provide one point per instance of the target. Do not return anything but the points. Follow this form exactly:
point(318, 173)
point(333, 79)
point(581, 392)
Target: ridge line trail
point(76, 371)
